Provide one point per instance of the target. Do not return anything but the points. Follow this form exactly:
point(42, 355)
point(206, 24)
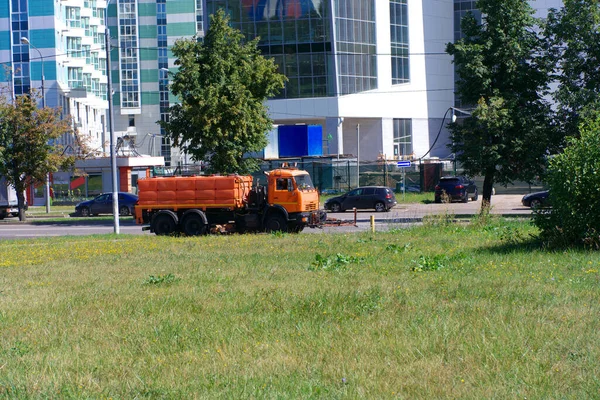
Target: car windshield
point(303, 182)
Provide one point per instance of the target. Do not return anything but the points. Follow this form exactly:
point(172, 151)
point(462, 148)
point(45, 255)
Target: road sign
point(403, 164)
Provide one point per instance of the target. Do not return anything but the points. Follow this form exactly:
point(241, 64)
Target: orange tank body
point(201, 192)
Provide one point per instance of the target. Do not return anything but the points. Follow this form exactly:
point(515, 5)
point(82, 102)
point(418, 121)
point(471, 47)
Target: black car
point(103, 204)
point(380, 198)
point(535, 200)
point(459, 188)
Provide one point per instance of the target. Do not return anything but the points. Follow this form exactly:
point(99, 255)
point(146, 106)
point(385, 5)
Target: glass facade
point(199, 18)
point(20, 51)
point(399, 41)
point(461, 7)
point(163, 76)
point(403, 143)
point(129, 54)
point(356, 45)
point(296, 34)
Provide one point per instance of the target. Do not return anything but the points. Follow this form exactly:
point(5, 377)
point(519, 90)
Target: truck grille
point(310, 207)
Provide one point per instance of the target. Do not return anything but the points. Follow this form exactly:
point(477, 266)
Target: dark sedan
point(380, 198)
point(103, 204)
point(535, 200)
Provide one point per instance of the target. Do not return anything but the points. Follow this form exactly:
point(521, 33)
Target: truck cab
point(293, 190)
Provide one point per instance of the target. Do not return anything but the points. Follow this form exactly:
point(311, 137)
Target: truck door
point(284, 193)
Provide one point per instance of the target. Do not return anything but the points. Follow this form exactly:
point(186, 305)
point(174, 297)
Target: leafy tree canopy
point(573, 34)
point(222, 84)
point(574, 184)
point(501, 72)
point(26, 153)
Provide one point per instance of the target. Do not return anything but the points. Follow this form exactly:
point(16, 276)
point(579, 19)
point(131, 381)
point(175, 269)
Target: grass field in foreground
point(447, 311)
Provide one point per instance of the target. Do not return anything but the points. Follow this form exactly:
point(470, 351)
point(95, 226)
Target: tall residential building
point(59, 43)
point(142, 33)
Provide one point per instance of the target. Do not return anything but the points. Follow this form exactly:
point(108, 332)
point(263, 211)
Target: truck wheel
point(163, 224)
point(193, 225)
point(276, 223)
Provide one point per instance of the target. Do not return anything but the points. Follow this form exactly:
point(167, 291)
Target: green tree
point(26, 153)
point(502, 73)
point(222, 84)
point(573, 34)
point(574, 184)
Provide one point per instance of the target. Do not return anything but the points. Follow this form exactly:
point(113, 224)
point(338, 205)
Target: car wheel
point(535, 203)
point(475, 195)
point(465, 199)
point(437, 200)
point(380, 207)
point(84, 212)
point(124, 211)
point(335, 207)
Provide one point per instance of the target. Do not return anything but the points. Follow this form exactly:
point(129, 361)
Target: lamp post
point(113, 150)
point(24, 40)
point(357, 155)
point(454, 118)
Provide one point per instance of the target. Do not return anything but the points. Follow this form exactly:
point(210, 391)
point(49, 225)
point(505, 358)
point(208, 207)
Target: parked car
point(536, 199)
point(103, 204)
point(380, 198)
point(458, 188)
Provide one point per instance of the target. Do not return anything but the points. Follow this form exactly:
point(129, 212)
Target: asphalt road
point(400, 216)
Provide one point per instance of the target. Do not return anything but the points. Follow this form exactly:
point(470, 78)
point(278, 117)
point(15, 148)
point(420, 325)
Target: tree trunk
point(21, 201)
point(488, 185)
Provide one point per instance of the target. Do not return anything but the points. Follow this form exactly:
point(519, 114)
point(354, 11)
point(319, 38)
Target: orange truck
point(197, 205)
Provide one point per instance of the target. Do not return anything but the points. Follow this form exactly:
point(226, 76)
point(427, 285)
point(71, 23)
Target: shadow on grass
point(525, 245)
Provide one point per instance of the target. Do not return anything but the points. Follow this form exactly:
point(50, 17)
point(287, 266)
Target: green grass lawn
point(466, 311)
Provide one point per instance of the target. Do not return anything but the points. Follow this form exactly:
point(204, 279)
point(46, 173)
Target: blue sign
point(403, 164)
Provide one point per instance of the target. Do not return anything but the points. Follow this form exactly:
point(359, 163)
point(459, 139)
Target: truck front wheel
point(164, 224)
point(276, 223)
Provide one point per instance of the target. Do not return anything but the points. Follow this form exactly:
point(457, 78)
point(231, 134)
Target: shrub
point(574, 183)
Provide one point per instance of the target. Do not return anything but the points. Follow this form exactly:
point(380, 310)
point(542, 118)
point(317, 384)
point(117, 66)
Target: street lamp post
point(113, 150)
point(24, 40)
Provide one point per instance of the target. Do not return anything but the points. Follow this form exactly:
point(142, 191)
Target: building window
point(75, 77)
point(128, 54)
point(356, 46)
point(403, 146)
point(74, 47)
point(399, 41)
point(73, 17)
point(85, 24)
point(131, 120)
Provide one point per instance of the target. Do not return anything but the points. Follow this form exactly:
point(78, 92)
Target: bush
point(574, 184)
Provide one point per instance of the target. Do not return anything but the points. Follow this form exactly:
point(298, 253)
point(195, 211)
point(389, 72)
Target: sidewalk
point(502, 204)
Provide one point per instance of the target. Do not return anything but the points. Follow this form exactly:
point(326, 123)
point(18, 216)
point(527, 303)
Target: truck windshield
point(303, 182)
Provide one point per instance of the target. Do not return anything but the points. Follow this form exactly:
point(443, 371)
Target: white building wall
point(427, 96)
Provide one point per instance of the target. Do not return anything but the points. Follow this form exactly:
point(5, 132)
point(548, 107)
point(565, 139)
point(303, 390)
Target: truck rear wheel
point(276, 223)
point(193, 225)
point(164, 224)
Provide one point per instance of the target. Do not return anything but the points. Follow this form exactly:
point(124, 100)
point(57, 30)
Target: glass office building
point(324, 48)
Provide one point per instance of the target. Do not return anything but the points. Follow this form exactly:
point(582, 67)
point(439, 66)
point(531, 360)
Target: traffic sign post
point(403, 164)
